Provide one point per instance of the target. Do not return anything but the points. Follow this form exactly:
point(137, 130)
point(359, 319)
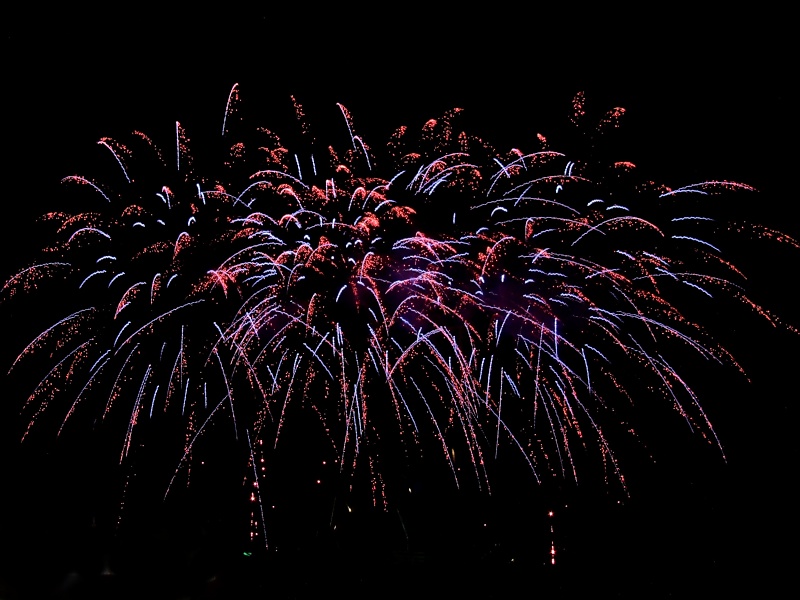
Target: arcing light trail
point(438, 298)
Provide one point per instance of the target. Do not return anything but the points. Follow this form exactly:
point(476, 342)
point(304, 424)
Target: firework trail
point(436, 300)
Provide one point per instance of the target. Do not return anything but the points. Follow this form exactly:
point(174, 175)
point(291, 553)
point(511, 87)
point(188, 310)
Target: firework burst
point(436, 300)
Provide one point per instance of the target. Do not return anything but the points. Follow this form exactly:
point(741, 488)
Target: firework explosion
point(434, 301)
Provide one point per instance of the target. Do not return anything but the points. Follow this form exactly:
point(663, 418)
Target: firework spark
point(436, 299)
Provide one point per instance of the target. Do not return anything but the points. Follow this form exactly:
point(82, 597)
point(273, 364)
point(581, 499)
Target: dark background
point(707, 98)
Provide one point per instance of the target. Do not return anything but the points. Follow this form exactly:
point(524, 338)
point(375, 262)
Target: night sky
point(706, 99)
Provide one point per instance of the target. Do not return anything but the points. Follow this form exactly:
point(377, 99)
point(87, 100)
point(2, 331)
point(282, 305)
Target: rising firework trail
point(432, 301)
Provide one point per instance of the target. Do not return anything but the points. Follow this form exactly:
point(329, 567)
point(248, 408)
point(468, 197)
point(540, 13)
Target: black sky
point(707, 98)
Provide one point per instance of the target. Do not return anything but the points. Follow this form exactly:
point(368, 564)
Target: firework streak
point(436, 295)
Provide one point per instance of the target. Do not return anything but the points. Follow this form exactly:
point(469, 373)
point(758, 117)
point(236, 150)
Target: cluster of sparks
point(435, 298)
